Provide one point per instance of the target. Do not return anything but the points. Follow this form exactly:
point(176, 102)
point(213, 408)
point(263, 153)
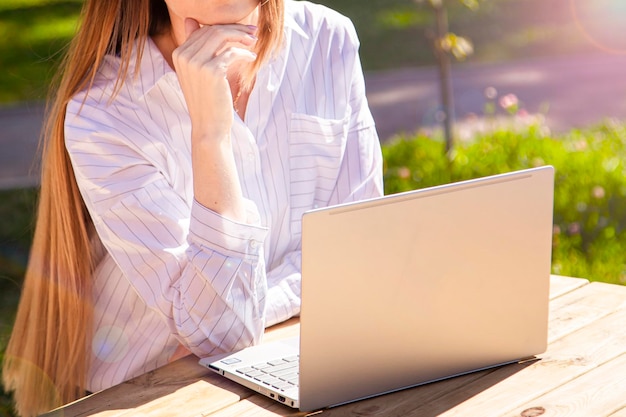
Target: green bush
point(590, 185)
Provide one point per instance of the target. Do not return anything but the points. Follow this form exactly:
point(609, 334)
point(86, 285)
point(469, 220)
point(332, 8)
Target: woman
point(184, 143)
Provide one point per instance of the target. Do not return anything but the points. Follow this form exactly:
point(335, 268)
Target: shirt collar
point(154, 68)
point(292, 24)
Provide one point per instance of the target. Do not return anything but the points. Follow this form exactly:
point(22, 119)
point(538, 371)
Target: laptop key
point(270, 381)
point(291, 378)
point(282, 385)
point(282, 367)
point(283, 372)
point(262, 366)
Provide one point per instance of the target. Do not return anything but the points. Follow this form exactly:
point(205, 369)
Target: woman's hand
point(202, 64)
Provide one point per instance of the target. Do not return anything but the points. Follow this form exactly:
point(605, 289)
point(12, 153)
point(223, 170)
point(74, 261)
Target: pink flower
point(404, 173)
point(598, 192)
point(509, 101)
point(573, 229)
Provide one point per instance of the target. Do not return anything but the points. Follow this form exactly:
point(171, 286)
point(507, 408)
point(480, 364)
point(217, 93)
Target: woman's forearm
point(216, 182)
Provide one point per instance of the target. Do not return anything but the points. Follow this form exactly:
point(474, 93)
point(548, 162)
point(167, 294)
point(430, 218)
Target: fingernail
point(253, 37)
point(252, 27)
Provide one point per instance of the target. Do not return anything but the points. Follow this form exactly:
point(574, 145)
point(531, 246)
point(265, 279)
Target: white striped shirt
point(171, 271)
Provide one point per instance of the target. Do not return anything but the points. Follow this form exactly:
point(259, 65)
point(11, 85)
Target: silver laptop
point(412, 288)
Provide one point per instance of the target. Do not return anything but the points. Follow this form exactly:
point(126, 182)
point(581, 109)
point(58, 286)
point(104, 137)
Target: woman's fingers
point(204, 44)
point(232, 55)
point(215, 37)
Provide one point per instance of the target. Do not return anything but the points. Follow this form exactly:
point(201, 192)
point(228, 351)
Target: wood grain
point(579, 308)
point(560, 285)
point(180, 385)
point(619, 413)
point(596, 393)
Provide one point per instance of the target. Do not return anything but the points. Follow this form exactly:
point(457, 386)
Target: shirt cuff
point(279, 307)
point(212, 230)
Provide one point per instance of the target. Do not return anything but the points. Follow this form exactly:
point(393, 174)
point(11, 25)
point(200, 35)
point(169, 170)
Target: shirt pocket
point(316, 148)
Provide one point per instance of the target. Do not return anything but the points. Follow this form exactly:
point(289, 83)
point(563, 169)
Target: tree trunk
point(445, 79)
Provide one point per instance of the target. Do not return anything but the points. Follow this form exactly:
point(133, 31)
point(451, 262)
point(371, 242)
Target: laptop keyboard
point(281, 374)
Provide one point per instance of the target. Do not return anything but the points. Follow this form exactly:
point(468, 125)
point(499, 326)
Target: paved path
point(19, 139)
point(577, 90)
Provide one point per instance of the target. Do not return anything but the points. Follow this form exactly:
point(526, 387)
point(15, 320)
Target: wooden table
point(583, 373)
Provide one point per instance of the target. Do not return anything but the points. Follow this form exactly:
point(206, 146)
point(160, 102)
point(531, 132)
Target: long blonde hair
point(47, 358)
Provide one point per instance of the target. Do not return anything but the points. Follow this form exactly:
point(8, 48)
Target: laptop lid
point(424, 285)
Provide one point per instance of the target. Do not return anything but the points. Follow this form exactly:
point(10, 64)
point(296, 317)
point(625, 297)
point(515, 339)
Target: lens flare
point(110, 344)
point(602, 23)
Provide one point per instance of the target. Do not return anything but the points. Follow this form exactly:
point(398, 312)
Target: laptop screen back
point(419, 286)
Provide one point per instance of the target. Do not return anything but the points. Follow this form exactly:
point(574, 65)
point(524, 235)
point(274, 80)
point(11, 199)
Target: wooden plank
point(283, 330)
point(257, 406)
point(578, 308)
point(598, 393)
point(567, 357)
point(159, 389)
point(560, 285)
point(159, 393)
point(194, 399)
point(619, 413)
point(404, 403)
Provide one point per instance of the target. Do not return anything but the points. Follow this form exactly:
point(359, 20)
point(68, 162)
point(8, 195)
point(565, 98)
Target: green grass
point(32, 35)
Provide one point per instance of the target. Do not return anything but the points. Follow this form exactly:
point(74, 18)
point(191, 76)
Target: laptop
point(412, 288)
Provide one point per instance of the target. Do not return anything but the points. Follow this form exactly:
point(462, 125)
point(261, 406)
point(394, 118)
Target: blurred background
point(534, 82)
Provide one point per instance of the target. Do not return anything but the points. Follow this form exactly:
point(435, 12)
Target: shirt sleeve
point(361, 172)
point(204, 274)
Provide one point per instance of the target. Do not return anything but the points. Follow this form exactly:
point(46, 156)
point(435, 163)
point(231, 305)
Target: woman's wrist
point(212, 136)
point(215, 176)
